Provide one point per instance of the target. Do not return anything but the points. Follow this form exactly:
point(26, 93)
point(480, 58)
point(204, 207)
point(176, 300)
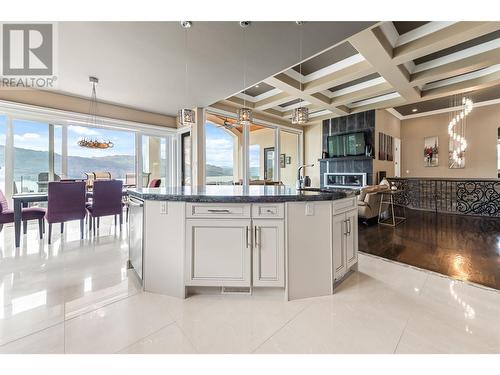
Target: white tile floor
point(78, 297)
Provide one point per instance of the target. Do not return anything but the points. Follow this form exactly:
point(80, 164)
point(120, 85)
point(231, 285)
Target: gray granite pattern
point(239, 194)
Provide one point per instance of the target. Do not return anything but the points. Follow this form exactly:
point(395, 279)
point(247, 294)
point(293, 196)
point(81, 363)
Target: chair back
point(66, 201)
point(155, 183)
point(130, 179)
point(107, 197)
point(4, 205)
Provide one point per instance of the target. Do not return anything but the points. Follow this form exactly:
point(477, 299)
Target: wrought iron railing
point(479, 197)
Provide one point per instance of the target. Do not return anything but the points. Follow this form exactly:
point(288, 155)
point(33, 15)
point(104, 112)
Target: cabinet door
point(351, 247)
point(218, 252)
point(338, 246)
point(269, 253)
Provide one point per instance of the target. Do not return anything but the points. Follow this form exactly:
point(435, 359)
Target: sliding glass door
point(31, 156)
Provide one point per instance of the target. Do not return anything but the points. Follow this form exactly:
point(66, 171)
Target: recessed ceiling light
point(414, 110)
point(256, 86)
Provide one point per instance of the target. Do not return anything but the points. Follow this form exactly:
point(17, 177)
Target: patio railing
point(480, 197)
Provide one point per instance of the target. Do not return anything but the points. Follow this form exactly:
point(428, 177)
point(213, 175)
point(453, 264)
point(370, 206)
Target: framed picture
point(381, 146)
point(431, 151)
point(288, 160)
point(282, 160)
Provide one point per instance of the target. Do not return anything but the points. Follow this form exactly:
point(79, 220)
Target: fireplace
point(344, 180)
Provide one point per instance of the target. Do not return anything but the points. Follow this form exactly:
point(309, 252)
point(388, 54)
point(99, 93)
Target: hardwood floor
point(463, 247)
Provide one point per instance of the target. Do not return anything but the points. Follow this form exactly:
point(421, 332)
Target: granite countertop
point(239, 194)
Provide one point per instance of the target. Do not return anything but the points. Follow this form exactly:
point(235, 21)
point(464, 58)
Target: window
point(186, 159)
point(261, 151)
point(498, 153)
point(31, 156)
point(119, 160)
point(3, 129)
point(221, 154)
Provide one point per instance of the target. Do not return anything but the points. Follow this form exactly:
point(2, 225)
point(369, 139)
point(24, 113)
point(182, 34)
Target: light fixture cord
point(244, 69)
point(186, 65)
point(93, 105)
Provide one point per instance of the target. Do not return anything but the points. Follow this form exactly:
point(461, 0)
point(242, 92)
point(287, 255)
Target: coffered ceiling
point(390, 64)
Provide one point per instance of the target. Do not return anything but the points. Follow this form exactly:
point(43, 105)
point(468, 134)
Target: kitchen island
point(236, 239)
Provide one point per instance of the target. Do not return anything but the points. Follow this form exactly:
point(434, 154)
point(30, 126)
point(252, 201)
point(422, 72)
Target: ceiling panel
point(489, 93)
point(332, 56)
point(258, 89)
point(355, 82)
point(402, 27)
point(458, 47)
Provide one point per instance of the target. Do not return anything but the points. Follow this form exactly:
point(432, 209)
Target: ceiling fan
point(228, 124)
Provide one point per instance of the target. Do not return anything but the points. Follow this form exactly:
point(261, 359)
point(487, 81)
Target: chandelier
point(245, 115)
point(186, 116)
point(301, 114)
point(94, 143)
point(456, 132)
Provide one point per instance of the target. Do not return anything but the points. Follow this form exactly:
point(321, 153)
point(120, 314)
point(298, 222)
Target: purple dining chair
point(155, 183)
point(66, 202)
point(106, 201)
point(29, 213)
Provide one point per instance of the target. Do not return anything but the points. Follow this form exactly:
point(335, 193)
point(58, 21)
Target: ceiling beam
point(482, 82)
point(449, 36)
point(375, 48)
point(292, 87)
point(380, 105)
point(466, 65)
point(240, 102)
point(347, 74)
point(272, 101)
point(367, 92)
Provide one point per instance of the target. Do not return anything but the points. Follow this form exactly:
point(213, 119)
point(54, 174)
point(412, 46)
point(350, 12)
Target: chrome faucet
point(300, 180)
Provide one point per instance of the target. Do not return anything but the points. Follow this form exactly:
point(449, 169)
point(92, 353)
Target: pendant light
point(245, 115)
point(186, 115)
point(301, 114)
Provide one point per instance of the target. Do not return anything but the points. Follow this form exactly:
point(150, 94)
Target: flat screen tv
point(350, 144)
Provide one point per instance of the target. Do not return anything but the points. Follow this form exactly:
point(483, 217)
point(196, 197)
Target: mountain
point(29, 163)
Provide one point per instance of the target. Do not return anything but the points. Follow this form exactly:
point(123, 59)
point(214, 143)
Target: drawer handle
point(219, 211)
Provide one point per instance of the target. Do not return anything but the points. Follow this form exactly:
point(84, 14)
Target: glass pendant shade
point(245, 116)
point(300, 116)
point(186, 116)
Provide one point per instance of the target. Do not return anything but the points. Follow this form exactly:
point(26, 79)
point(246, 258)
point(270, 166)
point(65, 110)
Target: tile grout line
point(31, 334)
point(283, 326)
point(411, 313)
point(142, 338)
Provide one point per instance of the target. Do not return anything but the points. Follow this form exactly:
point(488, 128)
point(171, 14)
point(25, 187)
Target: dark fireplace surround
point(364, 121)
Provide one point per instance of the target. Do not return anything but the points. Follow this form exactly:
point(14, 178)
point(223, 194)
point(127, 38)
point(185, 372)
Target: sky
point(35, 136)
point(219, 148)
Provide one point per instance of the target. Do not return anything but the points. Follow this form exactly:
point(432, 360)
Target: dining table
point(23, 200)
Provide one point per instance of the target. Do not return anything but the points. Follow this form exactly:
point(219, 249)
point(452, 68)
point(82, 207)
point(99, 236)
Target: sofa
point(369, 200)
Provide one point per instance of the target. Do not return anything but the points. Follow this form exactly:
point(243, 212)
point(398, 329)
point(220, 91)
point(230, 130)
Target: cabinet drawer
point(344, 205)
point(220, 210)
point(271, 211)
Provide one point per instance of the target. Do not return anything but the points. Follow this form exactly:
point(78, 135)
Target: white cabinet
point(268, 253)
point(344, 242)
point(218, 252)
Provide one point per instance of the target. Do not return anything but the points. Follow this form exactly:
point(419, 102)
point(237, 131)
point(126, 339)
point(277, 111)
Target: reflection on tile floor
point(72, 299)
